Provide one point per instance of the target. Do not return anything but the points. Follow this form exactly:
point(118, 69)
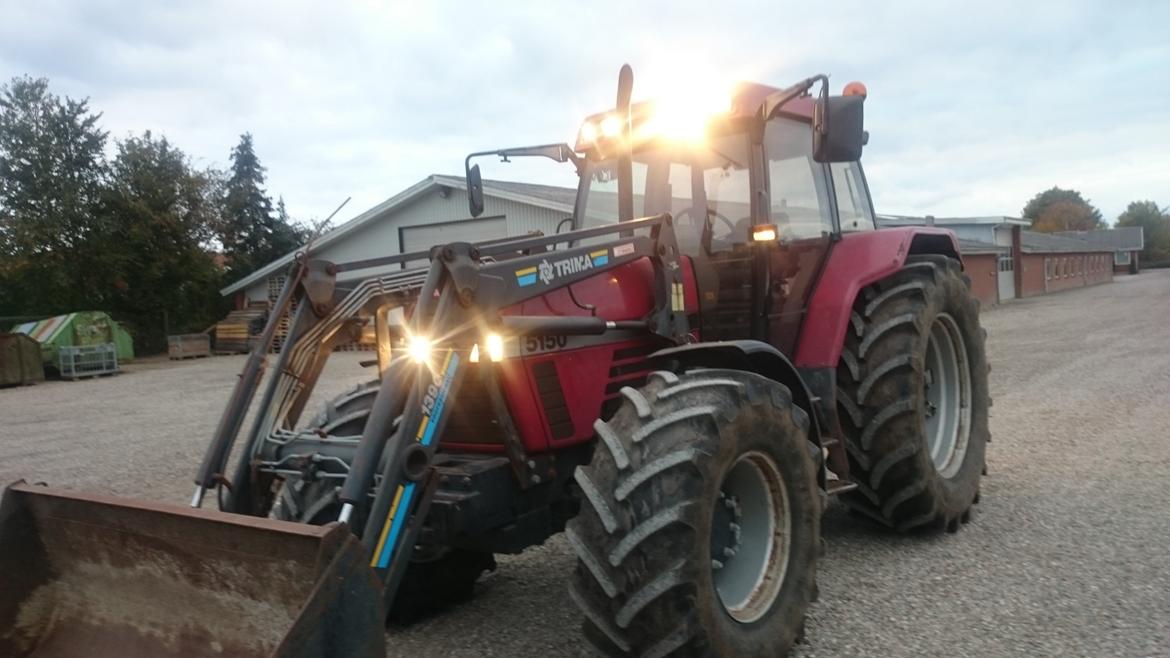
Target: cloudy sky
point(973, 106)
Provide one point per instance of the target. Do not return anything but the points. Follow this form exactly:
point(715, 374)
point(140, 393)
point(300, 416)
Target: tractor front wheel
point(913, 397)
point(437, 576)
point(700, 521)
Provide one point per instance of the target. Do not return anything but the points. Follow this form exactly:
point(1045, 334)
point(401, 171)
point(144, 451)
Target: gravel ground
point(1068, 554)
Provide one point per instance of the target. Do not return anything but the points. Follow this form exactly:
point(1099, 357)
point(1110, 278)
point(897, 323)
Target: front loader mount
point(388, 476)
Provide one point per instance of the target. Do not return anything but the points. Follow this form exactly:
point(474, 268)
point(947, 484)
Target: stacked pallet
point(232, 332)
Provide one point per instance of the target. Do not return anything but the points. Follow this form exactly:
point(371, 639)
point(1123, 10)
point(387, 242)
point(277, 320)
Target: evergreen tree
point(248, 221)
point(252, 234)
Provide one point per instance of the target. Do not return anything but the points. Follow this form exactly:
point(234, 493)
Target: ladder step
point(839, 487)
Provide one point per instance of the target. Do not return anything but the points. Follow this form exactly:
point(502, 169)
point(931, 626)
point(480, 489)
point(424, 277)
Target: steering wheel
point(691, 212)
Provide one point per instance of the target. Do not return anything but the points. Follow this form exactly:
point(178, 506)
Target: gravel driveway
point(1068, 554)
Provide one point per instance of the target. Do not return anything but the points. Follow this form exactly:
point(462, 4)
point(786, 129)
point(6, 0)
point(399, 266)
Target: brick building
point(1005, 261)
point(1126, 242)
point(1050, 263)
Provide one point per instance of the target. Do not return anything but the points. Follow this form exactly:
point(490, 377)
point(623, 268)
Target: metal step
point(839, 487)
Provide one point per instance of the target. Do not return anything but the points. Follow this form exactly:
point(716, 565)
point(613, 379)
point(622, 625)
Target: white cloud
point(973, 107)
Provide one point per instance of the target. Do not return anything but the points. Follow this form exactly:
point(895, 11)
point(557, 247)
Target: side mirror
point(475, 191)
point(838, 128)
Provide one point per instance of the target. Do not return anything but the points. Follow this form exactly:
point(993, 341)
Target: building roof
point(559, 199)
point(1032, 242)
point(914, 220)
point(981, 247)
point(1125, 238)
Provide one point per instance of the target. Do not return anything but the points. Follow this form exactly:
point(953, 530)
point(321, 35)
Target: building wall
point(379, 237)
point(1061, 271)
point(1132, 267)
point(981, 268)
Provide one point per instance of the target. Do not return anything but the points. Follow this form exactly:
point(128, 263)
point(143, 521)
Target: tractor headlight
point(493, 345)
point(419, 349)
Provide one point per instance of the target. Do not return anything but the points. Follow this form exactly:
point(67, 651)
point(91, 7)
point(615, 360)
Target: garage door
point(425, 236)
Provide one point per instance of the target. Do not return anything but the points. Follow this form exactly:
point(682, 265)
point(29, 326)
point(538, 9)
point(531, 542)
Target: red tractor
point(722, 340)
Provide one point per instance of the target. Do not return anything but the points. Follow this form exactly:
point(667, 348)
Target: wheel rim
point(947, 393)
point(750, 537)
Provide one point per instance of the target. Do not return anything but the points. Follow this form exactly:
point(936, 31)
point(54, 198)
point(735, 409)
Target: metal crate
point(188, 346)
point(78, 361)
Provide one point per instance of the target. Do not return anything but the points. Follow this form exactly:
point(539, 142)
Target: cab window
point(853, 205)
point(797, 187)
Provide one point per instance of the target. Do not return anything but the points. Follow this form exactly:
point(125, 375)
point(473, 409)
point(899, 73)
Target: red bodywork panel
point(586, 375)
point(854, 262)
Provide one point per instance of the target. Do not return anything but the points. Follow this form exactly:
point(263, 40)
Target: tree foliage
point(160, 214)
point(252, 233)
point(1058, 209)
point(1155, 225)
point(135, 235)
point(1065, 216)
point(51, 174)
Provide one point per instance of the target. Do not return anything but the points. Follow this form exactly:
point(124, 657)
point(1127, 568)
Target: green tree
point(160, 214)
point(51, 172)
point(1155, 225)
point(252, 235)
point(1084, 217)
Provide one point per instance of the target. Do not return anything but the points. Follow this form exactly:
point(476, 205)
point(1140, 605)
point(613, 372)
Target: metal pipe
point(379, 426)
point(233, 416)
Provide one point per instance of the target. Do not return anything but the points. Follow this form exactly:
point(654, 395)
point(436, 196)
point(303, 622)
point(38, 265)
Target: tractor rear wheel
point(437, 576)
point(700, 521)
point(913, 397)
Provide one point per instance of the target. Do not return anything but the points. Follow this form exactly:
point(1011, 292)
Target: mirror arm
point(779, 99)
point(559, 152)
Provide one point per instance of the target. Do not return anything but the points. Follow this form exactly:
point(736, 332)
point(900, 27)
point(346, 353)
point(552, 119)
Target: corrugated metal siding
point(380, 236)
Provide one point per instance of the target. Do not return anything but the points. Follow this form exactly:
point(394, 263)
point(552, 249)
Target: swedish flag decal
point(526, 276)
point(599, 257)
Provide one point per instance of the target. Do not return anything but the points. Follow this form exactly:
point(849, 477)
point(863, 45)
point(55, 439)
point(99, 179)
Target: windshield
point(704, 187)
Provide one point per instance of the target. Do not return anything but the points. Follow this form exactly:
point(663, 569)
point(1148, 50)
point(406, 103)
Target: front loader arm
point(454, 301)
point(465, 289)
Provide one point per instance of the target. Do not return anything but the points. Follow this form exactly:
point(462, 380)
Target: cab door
point(800, 204)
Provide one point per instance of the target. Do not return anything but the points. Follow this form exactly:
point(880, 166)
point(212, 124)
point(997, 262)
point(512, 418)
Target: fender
point(854, 262)
point(750, 356)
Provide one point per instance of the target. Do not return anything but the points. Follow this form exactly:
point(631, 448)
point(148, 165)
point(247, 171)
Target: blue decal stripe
point(441, 398)
point(598, 261)
point(396, 527)
point(526, 280)
point(408, 491)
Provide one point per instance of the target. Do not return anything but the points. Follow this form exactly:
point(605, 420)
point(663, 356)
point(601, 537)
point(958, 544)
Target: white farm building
point(432, 211)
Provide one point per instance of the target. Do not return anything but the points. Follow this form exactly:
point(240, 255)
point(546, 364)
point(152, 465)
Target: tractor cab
point(757, 187)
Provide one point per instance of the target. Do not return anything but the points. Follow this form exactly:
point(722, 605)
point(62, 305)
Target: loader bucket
point(92, 575)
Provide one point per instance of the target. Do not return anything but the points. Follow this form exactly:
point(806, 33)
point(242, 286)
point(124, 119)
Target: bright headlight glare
point(494, 344)
point(611, 126)
point(474, 356)
point(588, 132)
point(419, 349)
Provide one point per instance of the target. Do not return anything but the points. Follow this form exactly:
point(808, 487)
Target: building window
point(1006, 264)
point(1121, 258)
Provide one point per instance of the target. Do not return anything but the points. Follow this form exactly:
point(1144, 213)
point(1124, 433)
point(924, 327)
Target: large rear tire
point(913, 398)
point(700, 522)
point(437, 577)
